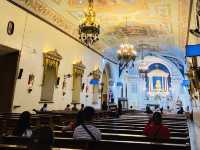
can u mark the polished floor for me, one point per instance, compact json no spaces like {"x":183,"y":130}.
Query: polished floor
{"x":194,"y":132}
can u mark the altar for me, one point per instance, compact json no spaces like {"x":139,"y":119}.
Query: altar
{"x":157,"y":83}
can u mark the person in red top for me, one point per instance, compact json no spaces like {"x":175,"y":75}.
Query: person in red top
{"x":155,"y":129}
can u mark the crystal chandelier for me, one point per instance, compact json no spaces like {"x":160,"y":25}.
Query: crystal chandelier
{"x":126,"y":53}
{"x":89,"y":30}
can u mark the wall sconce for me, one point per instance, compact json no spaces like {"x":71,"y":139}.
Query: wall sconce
{"x":10,"y":28}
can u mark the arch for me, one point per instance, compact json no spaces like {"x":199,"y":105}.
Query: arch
{"x":106,"y":81}
{"x":158,"y":66}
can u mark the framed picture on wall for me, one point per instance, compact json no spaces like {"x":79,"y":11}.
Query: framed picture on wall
{"x":10,"y":28}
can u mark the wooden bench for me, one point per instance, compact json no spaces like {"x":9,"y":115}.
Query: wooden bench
{"x":102,"y":145}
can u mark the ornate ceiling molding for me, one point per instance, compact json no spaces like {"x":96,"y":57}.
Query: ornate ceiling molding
{"x":39,"y":8}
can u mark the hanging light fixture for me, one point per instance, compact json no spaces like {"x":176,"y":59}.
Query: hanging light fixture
{"x":125,"y":54}
{"x":89,"y":30}
{"x":142,"y":66}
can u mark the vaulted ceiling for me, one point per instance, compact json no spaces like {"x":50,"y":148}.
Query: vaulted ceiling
{"x":154,"y":25}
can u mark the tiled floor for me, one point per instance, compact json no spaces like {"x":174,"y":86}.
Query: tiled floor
{"x":194,"y":132}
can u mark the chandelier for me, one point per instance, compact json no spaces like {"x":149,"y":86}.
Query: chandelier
{"x":89,"y":30}
{"x":126,"y":53}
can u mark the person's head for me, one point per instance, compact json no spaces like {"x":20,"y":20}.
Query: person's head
{"x":181,"y":108}
{"x":168,"y":107}
{"x":188,"y":108}
{"x":157,"y":118}
{"x":88,"y":113}
{"x":25,"y":117}
{"x":112,"y":100}
{"x":82,"y":105}
{"x":45,"y":105}
{"x":23,"y":123}
{"x":148,"y":108}
{"x":68,"y":105}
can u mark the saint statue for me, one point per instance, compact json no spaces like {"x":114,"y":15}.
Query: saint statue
{"x":158,"y":85}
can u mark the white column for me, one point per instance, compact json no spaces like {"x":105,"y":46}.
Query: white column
{"x":163,"y":84}
{"x":151,"y":83}
{"x":166,"y":84}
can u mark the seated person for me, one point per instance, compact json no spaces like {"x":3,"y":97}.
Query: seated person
{"x":23,"y":127}
{"x":42,"y":137}
{"x":82,"y":107}
{"x":70,"y":126}
{"x":44,"y":108}
{"x":157,"y":109}
{"x":180,"y":111}
{"x":155,"y":129}
{"x":67,"y":109}
{"x":104,"y":106}
{"x":168,"y":109}
{"x":148,"y":110}
{"x":161,"y":110}
{"x":86,"y":130}
{"x":77,"y":122}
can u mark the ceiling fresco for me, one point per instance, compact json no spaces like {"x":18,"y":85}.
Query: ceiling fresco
{"x":160,"y":25}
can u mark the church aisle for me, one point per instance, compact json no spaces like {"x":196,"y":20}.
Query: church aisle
{"x":194,"y":132}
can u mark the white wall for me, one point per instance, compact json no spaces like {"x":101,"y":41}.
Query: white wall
{"x":33,"y":37}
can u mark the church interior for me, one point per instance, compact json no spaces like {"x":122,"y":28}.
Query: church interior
{"x":120,"y":57}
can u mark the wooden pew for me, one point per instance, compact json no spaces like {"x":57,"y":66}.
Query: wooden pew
{"x":102,"y":145}
{"x":126,"y":129}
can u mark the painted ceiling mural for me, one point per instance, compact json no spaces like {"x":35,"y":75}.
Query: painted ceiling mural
{"x":160,"y":25}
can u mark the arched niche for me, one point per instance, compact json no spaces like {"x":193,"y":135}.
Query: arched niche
{"x":106,"y":82}
{"x":96,"y":75}
{"x":78,"y":71}
{"x":158,"y":80}
{"x":51,"y":62}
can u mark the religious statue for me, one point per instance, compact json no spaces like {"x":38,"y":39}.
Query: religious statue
{"x":158,"y":85}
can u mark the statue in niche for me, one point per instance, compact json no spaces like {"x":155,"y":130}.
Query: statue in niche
{"x":64,"y":86}
{"x":158,"y":85}
{"x":31,"y":79}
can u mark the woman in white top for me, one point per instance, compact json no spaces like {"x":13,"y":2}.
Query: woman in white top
{"x":86,"y":130}
{"x":23,"y":127}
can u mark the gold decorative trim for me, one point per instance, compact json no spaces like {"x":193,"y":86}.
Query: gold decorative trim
{"x":39,"y":8}
{"x":51,"y":59}
{"x":78,"y":69}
